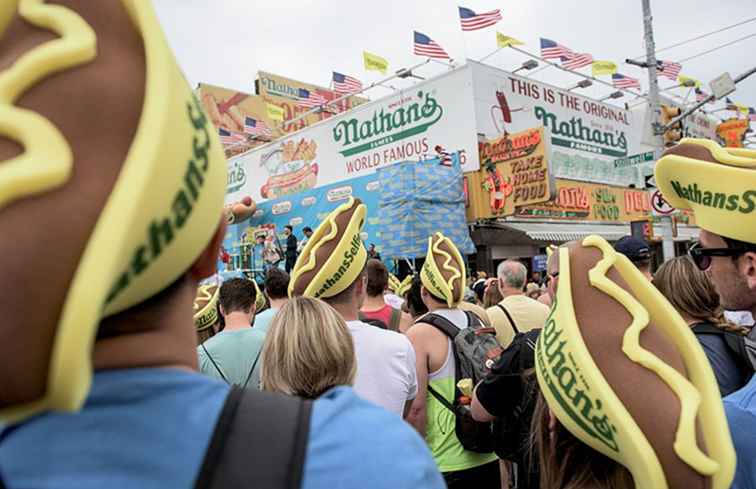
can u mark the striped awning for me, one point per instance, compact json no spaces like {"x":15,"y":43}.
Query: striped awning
{"x":560,"y":232}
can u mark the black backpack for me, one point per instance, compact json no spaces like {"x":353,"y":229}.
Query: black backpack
{"x":475,"y":350}
{"x":742,"y":348}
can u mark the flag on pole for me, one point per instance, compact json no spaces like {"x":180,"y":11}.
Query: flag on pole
{"x":256,"y":128}
{"x":603,"y":68}
{"x":425,"y":46}
{"x":229,"y":138}
{"x":373,"y":62}
{"x":552,"y":50}
{"x":343,"y":84}
{"x":505,"y":41}
{"x":736,"y":107}
{"x":310,"y":99}
{"x":669,"y":69}
{"x":472,"y":21}
{"x":688,"y":81}
{"x":274,"y":112}
{"x":701,"y":95}
{"x":577,"y":60}
{"x":751,"y":114}
{"x":624,"y":81}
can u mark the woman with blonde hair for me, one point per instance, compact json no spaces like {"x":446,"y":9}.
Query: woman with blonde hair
{"x":308,"y":350}
{"x":693,"y":295}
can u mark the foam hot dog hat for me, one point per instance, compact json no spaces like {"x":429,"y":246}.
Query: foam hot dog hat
{"x":623,"y":372}
{"x":334,"y":256}
{"x":106,"y":131}
{"x":718,"y":184}
{"x":443,"y":272}
{"x":206,"y":306}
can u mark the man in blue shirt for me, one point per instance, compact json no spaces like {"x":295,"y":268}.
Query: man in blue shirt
{"x":700,"y":175}
{"x":122,"y":170}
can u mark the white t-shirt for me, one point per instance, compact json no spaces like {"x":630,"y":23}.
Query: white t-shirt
{"x":386,"y":372}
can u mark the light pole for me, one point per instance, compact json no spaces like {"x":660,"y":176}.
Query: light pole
{"x":527,"y":65}
{"x":585,"y":83}
{"x":613,"y":96}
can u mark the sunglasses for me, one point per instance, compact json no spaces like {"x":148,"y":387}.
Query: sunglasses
{"x":702,"y":256}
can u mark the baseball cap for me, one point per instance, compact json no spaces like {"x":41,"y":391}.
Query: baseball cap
{"x":634,"y":248}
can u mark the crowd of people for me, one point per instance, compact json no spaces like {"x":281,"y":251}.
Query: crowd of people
{"x":130,"y":365}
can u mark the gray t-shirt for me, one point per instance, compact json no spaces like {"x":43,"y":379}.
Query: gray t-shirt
{"x":232,"y":354}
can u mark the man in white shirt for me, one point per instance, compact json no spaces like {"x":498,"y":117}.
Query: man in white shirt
{"x":516,"y":312}
{"x":332,"y":268}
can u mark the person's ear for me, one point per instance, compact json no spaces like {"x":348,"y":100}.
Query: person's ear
{"x":222,"y":311}
{"x":207,"y":263}
{"x":748,"y":269}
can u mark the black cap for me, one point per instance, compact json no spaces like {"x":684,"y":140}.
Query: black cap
{"x":306,"y":229}
{"x":634,"y":248}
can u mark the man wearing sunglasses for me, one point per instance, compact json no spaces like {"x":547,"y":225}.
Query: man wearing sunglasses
{"x":719,"y":186}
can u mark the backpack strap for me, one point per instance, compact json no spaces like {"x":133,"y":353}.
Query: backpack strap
{"x":442,"y":324}
{"x":260,"y":440}
{"x":509,"y":317}
{"x":254,"y":364}
{"x":735,"y":343}
{"x":215,"y":364}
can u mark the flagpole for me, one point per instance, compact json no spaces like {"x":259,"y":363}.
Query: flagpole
{"x":489,"y":55}
{"x":399,"y":74}
{"x":592,"y":78}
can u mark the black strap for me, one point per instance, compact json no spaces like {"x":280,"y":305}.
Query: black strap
{"x":260,"y":440}
{"x":441,"y":399}
{"x":442,"y":324}
{"x":254,"y":364}
{"x":396,"y":319}
{"x":511,"y":321}
{"x":734,"y":342}
{"x":215,"y":364}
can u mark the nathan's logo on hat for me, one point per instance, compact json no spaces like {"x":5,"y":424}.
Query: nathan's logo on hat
{"x":555,"y":362}
{"x":443,"y":272}
{"x":334,"y":256}
{"x":718,"y":184}
{"x":744,"y":202}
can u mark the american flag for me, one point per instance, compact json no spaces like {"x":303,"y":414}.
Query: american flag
{"x":472,"y":21}
{"x":229,"y":138}
{"x":343,"y":84}
{"x":577,"y":60}
{"x":256,"y":128}
{"x":751,"y":114}
{"x":624,"y":81}
{"x":669,"y":69}
{"x":425,"y":46}
{"x":310,"y":99}
{"x":552,"y":50}
{"x":701,"y":95}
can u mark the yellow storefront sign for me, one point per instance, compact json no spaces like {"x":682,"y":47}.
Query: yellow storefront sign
{"x":514,"y":172}
{"x":584,"y":201}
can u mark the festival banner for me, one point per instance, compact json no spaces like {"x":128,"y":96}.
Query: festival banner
{"x":587,"y":136}
{"x":433,"y":118}
{"x":591,"y":202}
{"x":515,"y":171}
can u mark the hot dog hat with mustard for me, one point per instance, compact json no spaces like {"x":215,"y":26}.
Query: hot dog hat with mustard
{"x":206,"y":306}
{"x":623,"y":373}
{"x":111,"y":185}
{"x":334,"y":256}
{"x":718,"y":184}
{"x":443,"y":272}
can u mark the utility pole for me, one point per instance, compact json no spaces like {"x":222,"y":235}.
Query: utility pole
{"x":668,"y":245}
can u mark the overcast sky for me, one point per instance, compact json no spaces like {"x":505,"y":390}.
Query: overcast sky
{"x":225,"y":42}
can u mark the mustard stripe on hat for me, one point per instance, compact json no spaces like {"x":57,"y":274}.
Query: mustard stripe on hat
{"x":443,"y":272}
{"x":718,"y":184}
{"x":334,"y":256}
{"x":161,"y":213}
{"x":206,"y":306}
{"x":588,"y":381}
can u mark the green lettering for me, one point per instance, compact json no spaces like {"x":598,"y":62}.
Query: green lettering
{"x":749,"y":202}
{"x":182,"y":208}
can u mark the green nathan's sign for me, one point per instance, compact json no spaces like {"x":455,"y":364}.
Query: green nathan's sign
{"x":576,"y":134}
{"x":387,"y":126}
{"x":634,"y":159}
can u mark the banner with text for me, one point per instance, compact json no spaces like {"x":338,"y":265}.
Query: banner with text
{"x":432,"y":119}
{"x":591,"y":202}
{"x":587,"y":136}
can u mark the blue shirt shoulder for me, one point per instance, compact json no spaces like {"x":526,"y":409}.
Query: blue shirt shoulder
{"x":740,"y":408}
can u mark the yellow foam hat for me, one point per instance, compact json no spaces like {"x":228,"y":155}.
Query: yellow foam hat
{"x":718,"y":184}
{"x":259,"y":297}
{"x":334,"y":256}
{"x":443,"y":272}
{"x":206,"y":306}
{"x":393,"y":283}
{"x":639,"y":404}
{"x":404,"y":286}
{"x":162,"y":211}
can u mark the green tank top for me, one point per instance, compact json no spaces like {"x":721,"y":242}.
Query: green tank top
{"x":440,"y":436}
